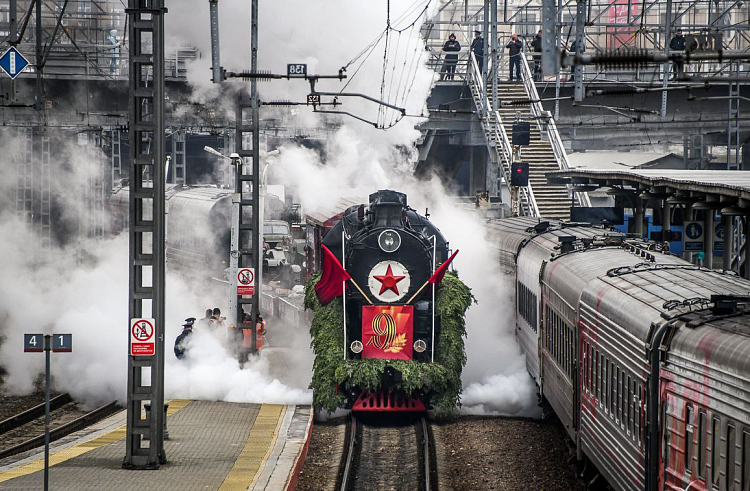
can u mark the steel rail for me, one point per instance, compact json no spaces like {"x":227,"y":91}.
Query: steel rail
{"x":347,"y":472}
{"x":33,"y":413}
{"x":63,"y":430}
{"x":427,"y":455}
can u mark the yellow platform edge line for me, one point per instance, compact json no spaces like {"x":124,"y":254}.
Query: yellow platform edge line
{"x":68,"y":453}
{"x":260,"y":442}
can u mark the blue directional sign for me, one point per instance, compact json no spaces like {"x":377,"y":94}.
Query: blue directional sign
{"x":718,"y":239}
{"x":693,"y":236}
{"x":13,"y":62}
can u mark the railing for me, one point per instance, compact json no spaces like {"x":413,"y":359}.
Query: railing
{"x":549,"y":127}
{"x":436,"y":62}
{"x":498,"y":134}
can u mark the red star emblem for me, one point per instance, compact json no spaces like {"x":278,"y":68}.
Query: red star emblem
{"x":388,"y":281}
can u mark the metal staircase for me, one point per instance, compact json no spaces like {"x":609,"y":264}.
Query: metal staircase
{"x":544,"y":154}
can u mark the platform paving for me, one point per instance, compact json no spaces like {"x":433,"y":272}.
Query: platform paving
{"x":212,"y":445}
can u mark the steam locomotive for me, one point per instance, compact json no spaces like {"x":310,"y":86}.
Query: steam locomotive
{"x":644,"y":357}
{"x":390,"y":251}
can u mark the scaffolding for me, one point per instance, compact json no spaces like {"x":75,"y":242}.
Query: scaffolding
{"x":610,"y":25}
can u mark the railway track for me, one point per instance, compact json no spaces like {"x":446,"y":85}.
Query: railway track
{"x":388,"y":454}
{"x":25,"y":430}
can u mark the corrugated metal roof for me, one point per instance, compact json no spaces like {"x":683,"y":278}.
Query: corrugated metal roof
{"x":734,"y":184}
{"x":334,"y":211}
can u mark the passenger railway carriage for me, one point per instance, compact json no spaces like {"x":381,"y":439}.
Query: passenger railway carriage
{"x":610,"y":324}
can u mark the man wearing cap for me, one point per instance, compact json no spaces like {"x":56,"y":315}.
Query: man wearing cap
{"x":180,"y":344}
{"x":451,"y":47}
{"x":477,"y":47}
{"x":677,"y":44}
{"x":515,"y":46}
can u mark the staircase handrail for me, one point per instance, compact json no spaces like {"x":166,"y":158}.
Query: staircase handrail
{"x":553,"y":136}
{"x":503,"y":146}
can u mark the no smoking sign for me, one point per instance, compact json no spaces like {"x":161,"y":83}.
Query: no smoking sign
{"x":142,"y":341}
{"x":246,"y":281}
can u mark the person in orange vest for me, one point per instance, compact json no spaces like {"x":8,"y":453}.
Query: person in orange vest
{"x":247,"y":335}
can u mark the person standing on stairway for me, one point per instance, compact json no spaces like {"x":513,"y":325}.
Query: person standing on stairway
{"x":451,"y":47}
{"x":477,"y":47}
{"x":515,"y":48}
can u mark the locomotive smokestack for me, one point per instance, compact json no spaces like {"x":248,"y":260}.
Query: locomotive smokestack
{"x":388,"y":208}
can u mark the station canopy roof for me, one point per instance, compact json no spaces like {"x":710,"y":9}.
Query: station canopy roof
{"x":726,"y":186}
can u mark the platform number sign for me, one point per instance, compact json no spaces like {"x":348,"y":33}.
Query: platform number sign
{"x":33,"y":343}
{"x":296,"y":70}
{"x":62,"y":343}
{"x":246,"y":281}
{"x":142,"y":340}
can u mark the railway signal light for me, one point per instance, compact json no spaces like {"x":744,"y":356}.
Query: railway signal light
{"x":519,"y":175}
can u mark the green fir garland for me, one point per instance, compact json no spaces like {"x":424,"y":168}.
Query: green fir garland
{"x":441,"y":380}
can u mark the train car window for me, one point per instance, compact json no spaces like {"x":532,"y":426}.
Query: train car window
{"x":630,"y":407}
{"x":745,"y":461}
{"x":715,"y":451}
{"x":605,"y":384}
{"x":585,"y":368}
{"x":534,"y":315}
{"x":702,"y":441}
{"x":729,"y":463}
{"x":612,"y":390}
{"x":688,"y":438}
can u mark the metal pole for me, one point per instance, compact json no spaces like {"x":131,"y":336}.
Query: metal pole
{"x":580,"y":40}
{"x":665,"y":67}
{"x":343,"y":285}
{"x":256,"y":247}
{"x":13,"y":39}
{"x":47,"y":352}
{"x":215,"y":51}
{"x":746,"y":247}
{"x":434,"y":254}
{"x":486,"y":48}
{"x":494,"y":74}
{"x":235,"y":308}
{"x":38,"y":36}
{"x":557,"y":66}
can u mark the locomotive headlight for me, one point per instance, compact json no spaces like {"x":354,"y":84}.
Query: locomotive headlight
{"x":389,"y":241}
{"x":356,"y":347}
{"x":420,"y":346}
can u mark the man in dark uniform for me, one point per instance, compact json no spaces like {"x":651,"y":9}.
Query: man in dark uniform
{"x":536,"y":45}
{"x":180,"y":344}
{"x":451,"y":47}
{"x":515,"y":46}
{"x":477,"y":47}
{"x":677,"y":44}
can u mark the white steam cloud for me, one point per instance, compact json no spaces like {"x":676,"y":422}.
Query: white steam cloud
{"x":51,"y":291}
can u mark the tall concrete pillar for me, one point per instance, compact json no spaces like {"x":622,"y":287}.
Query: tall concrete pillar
{"x":708,"y":239}
{"x":666,"y":220}
{"x":638,"y":217}
{"x":728,"y":221}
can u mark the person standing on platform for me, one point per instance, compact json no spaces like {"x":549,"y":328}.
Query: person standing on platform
{"x":180,"y":344}
{"x":112,"y":40}
{"x":205,"y":323}
{"x":536,"y":45}
{"x":477,"y":47}
{"x":515,"y":48}
{"x":451,"y":47}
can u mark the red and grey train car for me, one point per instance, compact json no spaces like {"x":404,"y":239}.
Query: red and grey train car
{"x":644,"y":357}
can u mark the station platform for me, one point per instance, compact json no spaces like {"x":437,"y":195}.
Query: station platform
{"x":212,"y":445}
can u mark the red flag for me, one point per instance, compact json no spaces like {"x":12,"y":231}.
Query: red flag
{"x":437,"y":276}
{"x":331,"y":284}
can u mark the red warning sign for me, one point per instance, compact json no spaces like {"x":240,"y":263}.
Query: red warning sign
{"x":246,"y":281}
{"x":142,"y":341}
